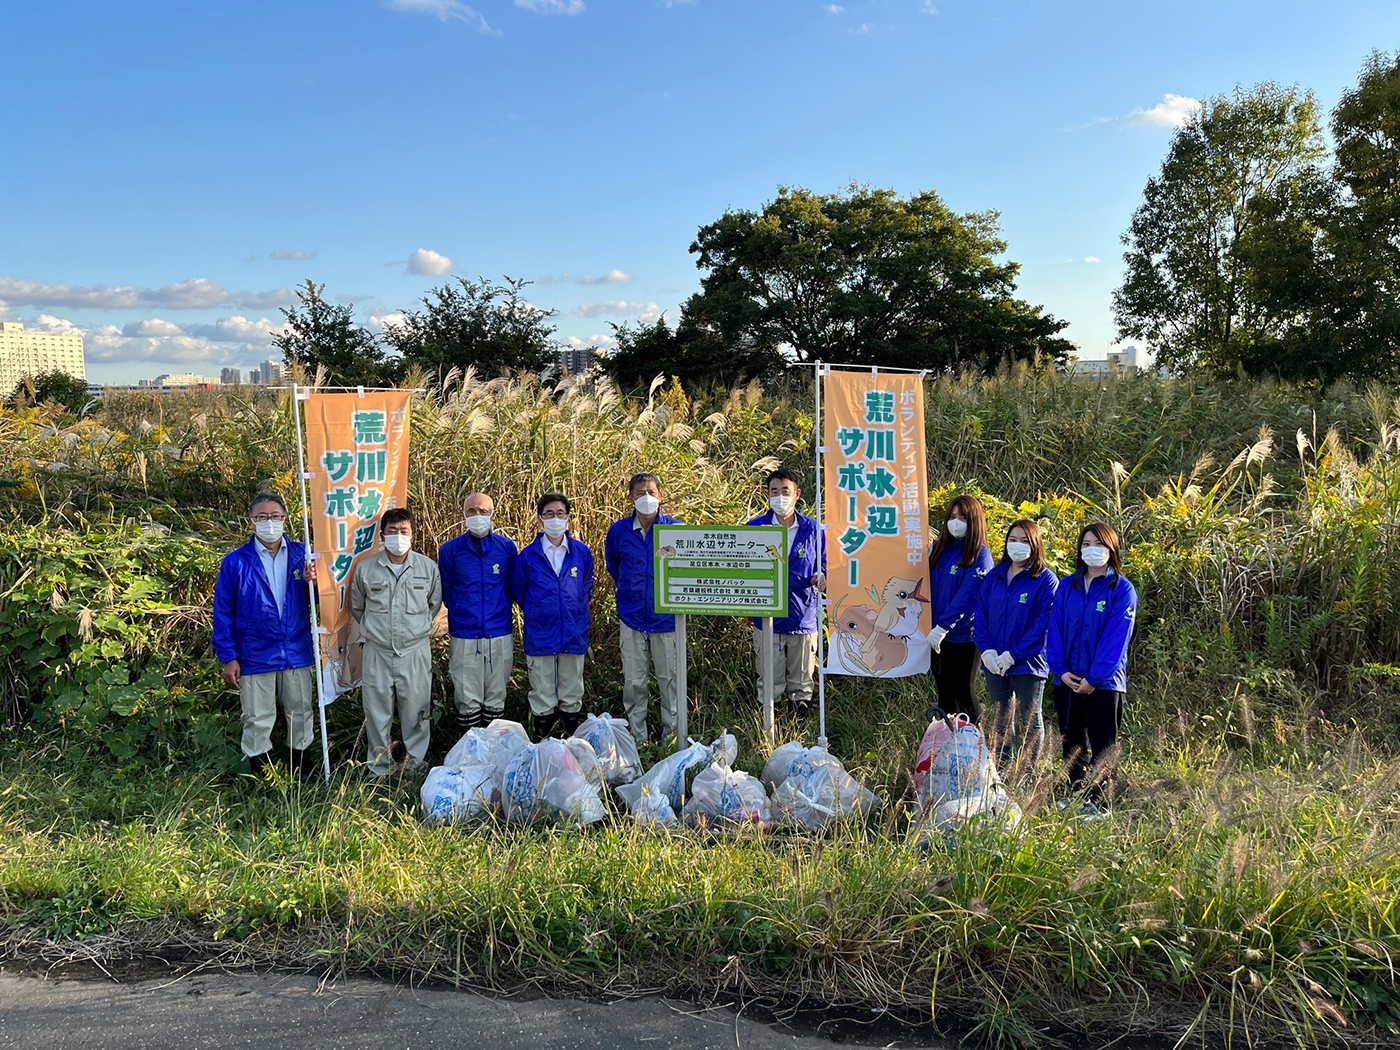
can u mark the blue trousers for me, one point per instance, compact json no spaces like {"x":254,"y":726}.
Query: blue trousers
{"x":1018,"y":716}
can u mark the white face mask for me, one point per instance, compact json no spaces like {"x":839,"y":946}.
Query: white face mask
{"x":1018,"y":552}
{"x":647,"y":504}
{"x":479,"y":524}
{"x":268,"y":531}
{"x":957,"y":528}
{"x":782,"y":505}
{"x":396,"y":543}
{"x":1094,"y":557}
{"x":555,"y":527}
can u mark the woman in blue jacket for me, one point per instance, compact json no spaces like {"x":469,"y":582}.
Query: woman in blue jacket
{"x":1091,"y":623}
{"x":552,"y":582}
{"x":959,"y":561}
{"x":1010,"y":623}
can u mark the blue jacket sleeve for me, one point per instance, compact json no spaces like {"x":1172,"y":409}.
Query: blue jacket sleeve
{"x":225,"y":609}
{"x":612,"y":553}
{"x":981,"y":617}
{"x":588,"y":572}
{"x":1112,"y":652}
{"x":512,"y":559}
{"x":1032,"y":642}
{"x":518,"y":588}
{"x":821,"y":546}
{"x":1055,"y":639}
{"x":969,"y":583}
{"x":446,"y":570}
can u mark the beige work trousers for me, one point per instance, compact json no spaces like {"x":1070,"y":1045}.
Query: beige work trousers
{"x":259,"y":694}
{"x":556,"y":683}
{"x":480,"y":668}
{"x":644,"y":653}
{"x":403,"y":681}
{"x":794,"y":665}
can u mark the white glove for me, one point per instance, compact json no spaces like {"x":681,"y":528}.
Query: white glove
{"x":935,"y":638}
{"x":991,"y":661}
{"x":1005,"y":661}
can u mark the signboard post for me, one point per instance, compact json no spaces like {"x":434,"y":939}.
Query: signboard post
{"x":722,"y":570}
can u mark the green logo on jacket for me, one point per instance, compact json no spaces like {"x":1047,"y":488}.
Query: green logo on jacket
{"x":1024,"y":596}
{"x":1100,"y":606}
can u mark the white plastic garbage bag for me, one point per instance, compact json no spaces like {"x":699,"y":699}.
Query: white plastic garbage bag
{"x":493,"y":745}
{"x":546,"y":780}
{"x":721,"y":795}
{"x":812,"y":788}
{"x":587,"y":761}
{"x":954,"y":762}
{"x":459,"y":795}
{"x":614,"y":746}
{"x":668,"y":777}
{"x":653,"y":808}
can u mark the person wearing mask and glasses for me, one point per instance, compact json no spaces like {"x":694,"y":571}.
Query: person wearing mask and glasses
{"x":957,"y":564}
{"x":648,"y":638}
{"x":1010,"y":622}
{"x":553,"y":585}
{"x":1091,"y":624}
{"x":262,"y":635}
{"x":476,"y":572}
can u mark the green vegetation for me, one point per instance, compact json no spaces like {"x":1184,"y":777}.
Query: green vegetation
{"x":1247,"y":887}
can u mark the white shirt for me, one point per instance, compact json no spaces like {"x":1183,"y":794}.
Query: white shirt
{"x":556,"y":553}
{"x":275,"y":566}
{"x":397,"y":570}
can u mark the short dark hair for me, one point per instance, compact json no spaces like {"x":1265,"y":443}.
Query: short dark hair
{"x":267,"y":497}
{"x":642,"y":479}
{"x":782,"y":474}
{"x":552,"y":497}
{"x":393,"y":517}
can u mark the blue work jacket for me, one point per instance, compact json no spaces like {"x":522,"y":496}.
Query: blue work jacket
{"x":1090,"y":630}
{"x":555,"y":607}
{"x":953,"y":590}
{"x":247,"y":627}
{"x":1015,"y":617}
{"x":630,"y":557}
{"x":476,"y":585}
{"x":806,"y":558}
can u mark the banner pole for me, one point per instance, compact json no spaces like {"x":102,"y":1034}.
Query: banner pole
{"x":766,"y":672}
{"x":821,"y":592}
{"x":319,"y":669}
{"x":682,"y":684}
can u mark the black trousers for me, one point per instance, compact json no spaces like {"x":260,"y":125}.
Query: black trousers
{"x":954,"y":672}
{"x":1090,"y":724}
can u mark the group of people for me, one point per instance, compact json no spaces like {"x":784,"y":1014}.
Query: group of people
{"x":1011,"y":617}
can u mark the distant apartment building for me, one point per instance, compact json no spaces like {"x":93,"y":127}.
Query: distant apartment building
{"x":269,"y":373}
{"x":33,"y":353}
{"x":576,"y":360}
{"x":1118,"y":362}
{"x":231,"y":376}
{"x":185,"y":379}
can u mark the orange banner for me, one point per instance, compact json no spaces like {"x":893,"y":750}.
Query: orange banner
{"x":357,"y":456}
{"x":875,"y":474}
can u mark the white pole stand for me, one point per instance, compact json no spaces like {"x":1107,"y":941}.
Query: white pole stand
{"x":766,"y":670}
{"x":682,"y":684}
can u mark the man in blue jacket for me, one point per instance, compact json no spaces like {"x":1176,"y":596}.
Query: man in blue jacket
{"x":262,"y":634}
{"x":647,"y":637}
{"x":795,"y":636}
{"x":476,"y":570}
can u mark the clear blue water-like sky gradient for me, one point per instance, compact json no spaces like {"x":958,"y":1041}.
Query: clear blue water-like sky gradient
{"x":171,"y":169}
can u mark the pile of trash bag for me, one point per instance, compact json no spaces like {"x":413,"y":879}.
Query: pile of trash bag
{"x":554,"y":779}
{"x":955,"y":779}
{"x":666,"y":782}
{"x":811,"y":787}
{"x":724,"y":796}
{"x":613,"y":745}
{"x":467,"y":786}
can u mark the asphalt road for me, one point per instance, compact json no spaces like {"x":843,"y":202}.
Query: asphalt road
{"x":301,"y":1013}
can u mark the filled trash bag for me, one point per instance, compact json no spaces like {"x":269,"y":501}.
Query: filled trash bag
{"x":954,"y":762}
{"x":669,"y":776}
{"x":811,"y":787}
{"x":493,"y":745}
{"x":653,"y":808}
{"x":725,"y":796}
{"x":587,"y":760}
{"x":546,"y":780}
{"x":455,"y":796}
{"x":613,"y":744}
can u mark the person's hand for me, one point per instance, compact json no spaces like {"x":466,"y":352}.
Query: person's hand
{"x":992,"y":662}
{"x":232,"y":673}
{"x":935,"y":638}
{"x":1084,"y":687}
{"x":1071,"y":679}
{"x":1006,"y":661}
{"x":819,"y":582}
{"x":310,"y":569}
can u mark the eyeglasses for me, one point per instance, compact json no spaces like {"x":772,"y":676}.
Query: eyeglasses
{"x":269,"y":517}
{"x":555,"y":514}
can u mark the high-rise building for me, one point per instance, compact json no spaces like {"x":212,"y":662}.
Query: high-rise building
{"x":576,"y":360}
{"x":269,"y":373}
{"x":33,"y":353}
{"x":185,"y":379}
{"x":231,"y":376}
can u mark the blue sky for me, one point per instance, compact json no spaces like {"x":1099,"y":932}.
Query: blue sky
{"x":171,"y":169}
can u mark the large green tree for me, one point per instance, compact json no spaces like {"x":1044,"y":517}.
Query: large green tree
{"x":476,"y":324}
{"x":866,"y":277}
{"x":697,"y":350}
{"x":322,"y":334}
{"x":59,"y":387}
{"x":1225,"y":260}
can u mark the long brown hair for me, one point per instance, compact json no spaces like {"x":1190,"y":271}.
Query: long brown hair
{"x":1036,"y":564}
{"x":1108,"y":537}
{"x":975,"y":538}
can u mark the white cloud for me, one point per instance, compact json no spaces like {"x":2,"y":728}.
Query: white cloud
{"x":443,"y":10}
{"x":928,"y":7}
{"x":152,"y":326}
{"x":238,"y":329}
{"x":382,"y":318}
{"x":620,"y":308}
{"x":197,"y":293}
{"x":833,"y":9}
{"x":864,"y":27}
{"x":611,"y":277}
{"x":602,"y":342}
{"x":552,"y":7}
{"x":50,"y":323}
{"x":429,"y":263}
{"x":1172,"y":112}
{"x":4,"y":309}
{"x":290,"y":255}
{"x":1092,"y":259}
{"x":265,"y":300}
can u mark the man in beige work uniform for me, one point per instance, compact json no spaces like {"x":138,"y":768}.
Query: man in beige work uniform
{"x":395,"y":595}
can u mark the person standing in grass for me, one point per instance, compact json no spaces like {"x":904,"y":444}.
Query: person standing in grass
{"x":553,"y":584}
{"x":1091,"y":623}
{"x":262,"y":634}
{"x":648,"y":638}
{"x":476,"y":571}
{"x":1011,"y":618}
{"x":395,"y":595}
{"x":957,"y":565}
{"x":795,"y":635}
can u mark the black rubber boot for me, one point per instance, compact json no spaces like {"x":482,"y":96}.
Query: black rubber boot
{"x":487,"y":717}
{"x":545,"y":725}
{"x":256,"y":764}
{"x":466,"y":723}
{"x":570,"y":721}
{"x":305,"y":763}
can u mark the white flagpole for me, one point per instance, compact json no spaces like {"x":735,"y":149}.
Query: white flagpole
{"x":821,"y":596}
{"x":312,"y":557}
